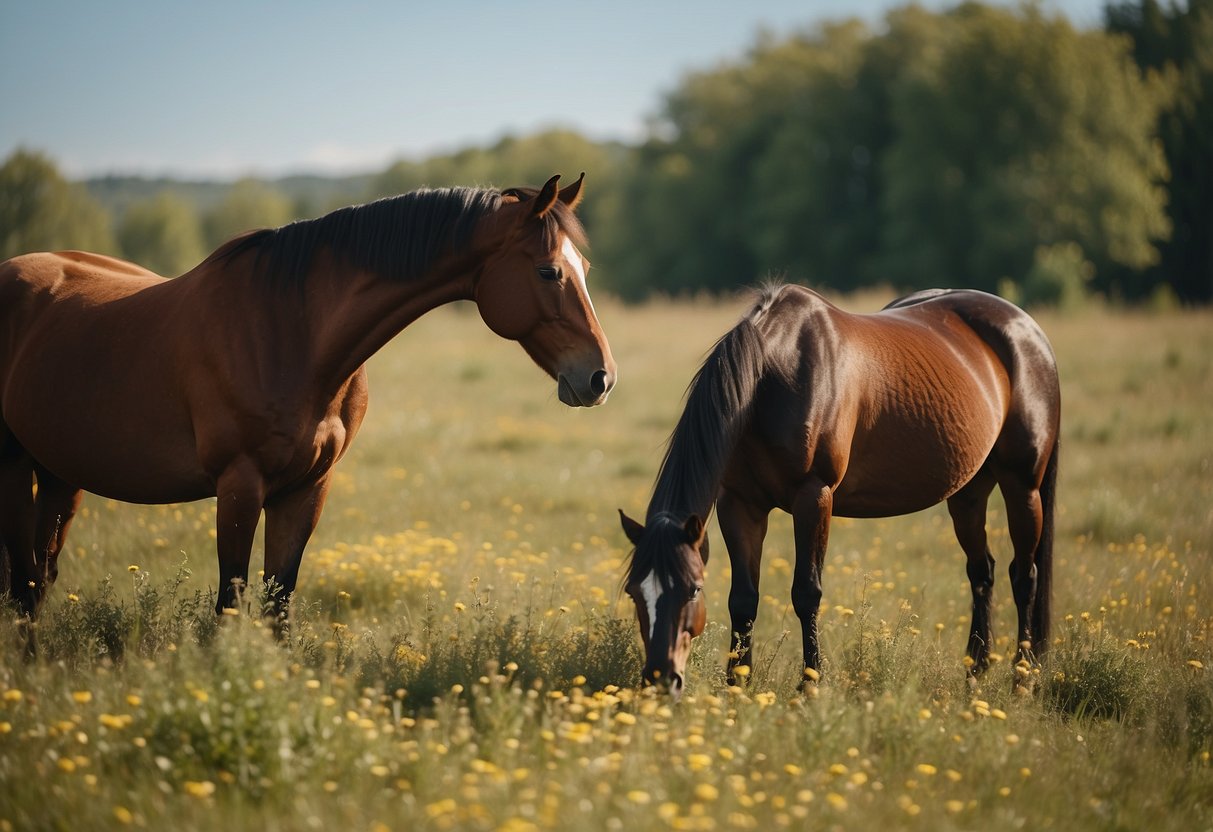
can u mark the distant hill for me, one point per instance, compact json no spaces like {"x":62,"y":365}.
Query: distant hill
{"x":312,"y":194}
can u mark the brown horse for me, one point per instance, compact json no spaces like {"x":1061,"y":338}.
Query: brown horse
{"x":243,"y":379}
{"x":810,"y":409}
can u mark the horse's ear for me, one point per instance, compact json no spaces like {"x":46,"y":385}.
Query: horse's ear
{"x":571,"y":195}
{"x":547,"y":197}
{"x":694,"y":529}
{"x":631,"y":528}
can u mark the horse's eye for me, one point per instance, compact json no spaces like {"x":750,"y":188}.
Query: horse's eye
{"x":695,"y":592}
{"x":549,"y":272}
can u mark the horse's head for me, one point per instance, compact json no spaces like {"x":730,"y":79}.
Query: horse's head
{"x":532,"y":289}
{"x":665,"y":579}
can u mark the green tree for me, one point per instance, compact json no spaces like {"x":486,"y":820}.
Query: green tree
{"x":248,"y":204}
{"x":163,"y":234}
{"x":1179,"y":42}
{"x":1014,"y":131}
{"x":42,"y":211}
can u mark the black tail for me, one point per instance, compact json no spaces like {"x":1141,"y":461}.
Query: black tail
{"x":1042,"y":609}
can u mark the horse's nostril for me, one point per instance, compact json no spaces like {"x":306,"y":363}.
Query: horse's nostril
{"x":598,"y":382}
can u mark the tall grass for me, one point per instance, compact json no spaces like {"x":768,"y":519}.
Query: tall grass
{"x":461,"y":657}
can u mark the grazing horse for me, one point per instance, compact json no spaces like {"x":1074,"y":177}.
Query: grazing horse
{"x":804,"y":407}
{"x":243,"y":379}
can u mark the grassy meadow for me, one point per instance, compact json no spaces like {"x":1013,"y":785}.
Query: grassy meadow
{"x":463,"y":658}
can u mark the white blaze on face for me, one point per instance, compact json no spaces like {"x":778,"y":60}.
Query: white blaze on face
{"x":650,"y":590}
{"x":571,"y":254}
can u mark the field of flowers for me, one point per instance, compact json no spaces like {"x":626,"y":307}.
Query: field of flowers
{"x":463,"y":659}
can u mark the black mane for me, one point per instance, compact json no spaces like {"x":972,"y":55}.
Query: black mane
{"x":717,"y":408}
{"x":398,"y":238}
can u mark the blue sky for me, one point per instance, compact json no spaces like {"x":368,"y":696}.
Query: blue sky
{"x":222,"y":88}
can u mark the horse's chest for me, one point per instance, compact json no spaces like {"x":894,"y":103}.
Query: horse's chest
{"x":306,"y":450}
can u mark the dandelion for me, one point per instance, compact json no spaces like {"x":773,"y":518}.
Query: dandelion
{"x":12,"y":695}
{"x":231,"y":611}
{"x":134,"y":567}
{"x":200,"y":789}
{"x":706,"y":792}
{"x":954,"y":806}
{"x":639,"y":797}
{"x":134,"y":700}
{"x":926,"y":769}
{"x":82,"y":697}
{"x":1195,"y":664}
{"x":837,"y":801}
{"x":625,"y":718}
{"x":123,"y":815}
{"x":441,"y":807}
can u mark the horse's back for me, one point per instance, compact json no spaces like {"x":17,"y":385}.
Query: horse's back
{"x":899,"y":408}
{"x":1014,"y":336}
{"x":1033,"y":410}
{"x":89,"y":372}
{"x":33,"y":288}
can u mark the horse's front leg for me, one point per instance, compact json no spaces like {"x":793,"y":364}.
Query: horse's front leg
{"x":290,"y":519}
{"x":811,"y":511}
{"x":743,"y":528}
{"x":240,"y":493}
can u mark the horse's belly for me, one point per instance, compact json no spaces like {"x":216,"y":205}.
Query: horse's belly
{"x":889,"y":475}
{"x":112,"y":433}
{"x":154,"y":469}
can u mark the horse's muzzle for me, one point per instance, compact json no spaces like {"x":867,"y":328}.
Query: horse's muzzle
{"x":587,"y":392}
{"x":671,"y":683}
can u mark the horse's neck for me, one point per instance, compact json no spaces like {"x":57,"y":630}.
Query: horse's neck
{"x":353,"y":315}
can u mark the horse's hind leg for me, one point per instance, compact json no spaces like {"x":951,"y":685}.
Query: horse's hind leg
{"x":55,"y":508}
{"x":968,"y":509}
{"x":17,"y":526}
{"x":1025,"y":521}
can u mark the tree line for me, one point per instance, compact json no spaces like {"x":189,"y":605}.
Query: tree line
{"x":996,"y":148}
